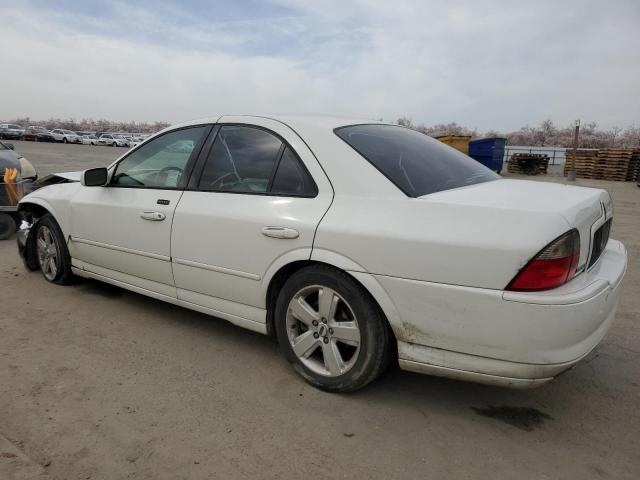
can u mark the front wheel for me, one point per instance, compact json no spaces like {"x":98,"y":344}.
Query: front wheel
{"x":64,"y":140}
{"x":51,"y":250}
{"x":331,"y":330}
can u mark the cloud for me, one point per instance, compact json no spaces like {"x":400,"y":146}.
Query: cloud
{"x":490,"y":65}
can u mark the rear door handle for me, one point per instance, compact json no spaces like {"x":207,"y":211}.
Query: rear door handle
{"x":153,"y":216}
{"x":280,"y":232}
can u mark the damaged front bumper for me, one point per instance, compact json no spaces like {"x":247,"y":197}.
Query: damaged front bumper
{"x":22,"y":238}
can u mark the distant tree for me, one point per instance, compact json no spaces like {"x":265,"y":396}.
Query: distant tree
{"x":405,"y":122}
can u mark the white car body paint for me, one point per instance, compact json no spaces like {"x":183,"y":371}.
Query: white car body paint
{"x":436,"y":265}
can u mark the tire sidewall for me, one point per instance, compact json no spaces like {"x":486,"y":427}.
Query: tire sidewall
{"x":63,"y":260}
{"x":373,"y":339}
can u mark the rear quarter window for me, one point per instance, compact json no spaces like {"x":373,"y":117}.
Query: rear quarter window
{"x":416,"y":163}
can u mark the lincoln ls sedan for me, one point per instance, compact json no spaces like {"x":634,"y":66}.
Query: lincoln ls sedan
{"x":354,"y":243}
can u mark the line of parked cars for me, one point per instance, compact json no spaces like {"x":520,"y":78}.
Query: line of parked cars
{"x":36,"y":133}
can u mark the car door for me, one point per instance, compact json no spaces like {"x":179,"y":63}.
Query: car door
{"x":123,"y":230}
{"x":255,"y":200}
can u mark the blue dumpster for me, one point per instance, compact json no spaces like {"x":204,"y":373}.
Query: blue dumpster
{"x":489,"y":152}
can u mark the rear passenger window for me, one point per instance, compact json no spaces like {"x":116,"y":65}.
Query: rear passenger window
{"x":291,"y":178}
{"x":242,"y":160}
{"x":247,"y":159}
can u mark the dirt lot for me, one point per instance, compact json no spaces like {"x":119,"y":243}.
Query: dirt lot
{"x":97,"y":382}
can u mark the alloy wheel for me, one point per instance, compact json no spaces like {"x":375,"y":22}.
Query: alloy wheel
{"x":323,"y":330}
{"x":47,"y":253}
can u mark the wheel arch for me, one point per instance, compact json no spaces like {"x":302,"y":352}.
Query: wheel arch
{"x":31,"y":212}
{"x":367,"y":281}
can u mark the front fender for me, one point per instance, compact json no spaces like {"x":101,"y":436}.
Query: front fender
{"x":54,"y":199}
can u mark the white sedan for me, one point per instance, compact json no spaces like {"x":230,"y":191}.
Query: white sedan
{"x":355,"y":243}
{"x":113,"y":140}
{"x":89,"y":140}
{"x":65,"y":136}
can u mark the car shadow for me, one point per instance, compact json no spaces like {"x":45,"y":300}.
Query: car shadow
{"x":526,"y":410}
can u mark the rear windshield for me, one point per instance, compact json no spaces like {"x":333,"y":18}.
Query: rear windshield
{"x":416,"y":163}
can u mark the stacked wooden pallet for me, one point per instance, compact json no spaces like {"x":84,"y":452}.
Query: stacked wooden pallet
{"x":634,"y":167}
{"x":585,"y":162}
{"x":617,"y":164}
{"x":528,"y":163}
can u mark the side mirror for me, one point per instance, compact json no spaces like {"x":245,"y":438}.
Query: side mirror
{"x":94,"y":177}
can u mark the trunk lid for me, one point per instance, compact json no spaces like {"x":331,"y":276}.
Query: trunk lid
{"x":583,"y":208}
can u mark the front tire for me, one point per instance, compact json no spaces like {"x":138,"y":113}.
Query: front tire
{"x":51,"y":251}
{"x":331,"y":330}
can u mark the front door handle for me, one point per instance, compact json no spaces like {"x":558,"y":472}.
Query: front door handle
{"x":280,"y":232}
{"x":153,"y":216}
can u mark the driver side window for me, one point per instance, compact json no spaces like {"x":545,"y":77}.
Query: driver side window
{"x":161,"y":162}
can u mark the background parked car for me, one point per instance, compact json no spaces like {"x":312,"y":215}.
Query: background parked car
{"x":16,"y":179}
{"x":37,"y":134}
{"x":113,"y":140}
{"x":10,"y":131}
{"x":134,"y":142}
{"x":65,"y":136}
{"x":89,"y":140}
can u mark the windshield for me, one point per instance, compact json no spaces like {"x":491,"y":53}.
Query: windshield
{"x":416,"y":163}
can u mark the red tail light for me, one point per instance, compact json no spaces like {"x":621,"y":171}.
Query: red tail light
{"x":555,"y":265}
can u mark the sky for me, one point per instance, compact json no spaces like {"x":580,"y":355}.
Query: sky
{"x":490,"y":65}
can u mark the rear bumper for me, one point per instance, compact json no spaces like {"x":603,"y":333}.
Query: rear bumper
{"x":505,"y":338}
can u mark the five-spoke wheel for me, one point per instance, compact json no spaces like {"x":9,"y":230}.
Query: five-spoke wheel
{"x":47,"y":245}
{"x":48,"y":253}
{"x":331,"y":330}
{"x":323,"y":330}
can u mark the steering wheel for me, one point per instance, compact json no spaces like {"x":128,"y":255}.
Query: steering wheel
{"x":220,"y":180}
{"x":172,"y":168}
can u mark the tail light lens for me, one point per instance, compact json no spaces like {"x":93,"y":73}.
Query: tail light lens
{"x":555,"y":265}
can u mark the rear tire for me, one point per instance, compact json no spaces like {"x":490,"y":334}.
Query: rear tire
{"x":331,"y":330}
{"x":51,"y":251}
{"x":64,"y":139}
{"x":7,"y":226}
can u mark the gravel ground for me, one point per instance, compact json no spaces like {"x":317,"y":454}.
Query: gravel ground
{"x":97,"y":382}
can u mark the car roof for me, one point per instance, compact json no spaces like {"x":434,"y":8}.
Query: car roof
{"x":326,"y":122}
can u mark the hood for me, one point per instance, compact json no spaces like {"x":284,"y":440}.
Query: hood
{"x":55,"y":178}
{"x":72,"y":176}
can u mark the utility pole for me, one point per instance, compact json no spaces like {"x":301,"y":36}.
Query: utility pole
{"x":571,"y":173}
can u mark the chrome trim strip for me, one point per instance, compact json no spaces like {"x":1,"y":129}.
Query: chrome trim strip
{"x":121,"y":249}
{"x":214,"y":268}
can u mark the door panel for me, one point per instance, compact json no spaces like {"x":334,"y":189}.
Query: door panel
{"x":126,"y":227}
{"x":226,"y":254}
{"x":107,"y":230}
{"x":219,"y":248}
